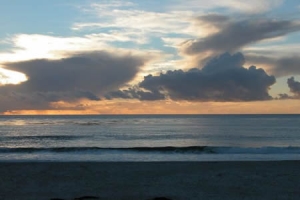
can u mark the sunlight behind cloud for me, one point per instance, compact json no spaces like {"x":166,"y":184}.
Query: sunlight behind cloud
{"x":37,"y":46}
{"x":115,"y":56}
{"x":11,"y":77}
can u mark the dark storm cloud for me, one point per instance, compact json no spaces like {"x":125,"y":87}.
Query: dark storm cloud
{"x":294,"y":86}
{"x":222,"y":79}
{"x":95,"y":72}
{"x":11,"y":100}
{"x":234,"y":34}
{"x":294,"y":89}
{"x":136,"y":93}
{"x":82,"y":75}
{"x":282,"y":66}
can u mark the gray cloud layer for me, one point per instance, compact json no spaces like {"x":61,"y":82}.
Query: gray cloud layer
{"x":235,"y":34}
{"x":83,"y":75}
{"x":136,"y":93}
{"x":284,"y":66}
{"x":222,"y":79}
{"x":294,"y":86}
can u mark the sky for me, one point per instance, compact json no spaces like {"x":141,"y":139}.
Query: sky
{"x":149,"y":57}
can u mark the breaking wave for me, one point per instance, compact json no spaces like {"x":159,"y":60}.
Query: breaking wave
{"x":166,"y":149}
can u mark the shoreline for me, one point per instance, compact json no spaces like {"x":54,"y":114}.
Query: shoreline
{"x":147,"y":180}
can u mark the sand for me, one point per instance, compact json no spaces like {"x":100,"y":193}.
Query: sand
{"x":143,"y":180}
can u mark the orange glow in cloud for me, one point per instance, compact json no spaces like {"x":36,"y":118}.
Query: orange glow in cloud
{"x":168,"y":107}
{"x":48,"y":112}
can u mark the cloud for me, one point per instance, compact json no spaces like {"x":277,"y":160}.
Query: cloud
{"x":275,"y":50}
{"x":233,"y":34}
{"x":134,"y":19}
{"x":222,"y":79}
{"x":3,"y":78}
{"x":282,"y":65}
{"x":283,"y":96}
{"x":213,"y":19}
{"x":136,"y":23}
{"x":294,"y":89}
{"x":294,"y":86}
{"x":136,"y":93}
{"x":11,"y":77}
{"x":248,"y":7}
{"x":38,"y":46}
{"x":82,"y":75}
{"x":80,"y":71}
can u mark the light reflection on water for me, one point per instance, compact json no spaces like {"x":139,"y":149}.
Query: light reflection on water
{"x":18,"y":122}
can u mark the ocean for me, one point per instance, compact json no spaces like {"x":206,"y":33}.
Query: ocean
{"x":150,"y":138}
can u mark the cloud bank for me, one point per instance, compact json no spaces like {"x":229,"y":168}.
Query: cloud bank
{"x":248,"y":7}
{"x":294,"y":89}
{"x":279,"y":66}
{"x":55,"y":75}
{"x":85,"y":75}
{"x":234,"y":34}
{"x":294,"y":86}
{"x":222,"y":79}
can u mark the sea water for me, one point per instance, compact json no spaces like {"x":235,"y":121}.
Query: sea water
{"x":150,"y":138}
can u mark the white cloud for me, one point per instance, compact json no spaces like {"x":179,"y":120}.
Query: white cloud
{"x":173,"y":41}
{"x":249,"y":7}
{"x":145,"y":21}
{"x":37,"y":46}
{"x":145,"y":24}
{"x":274,"y":50}
{"x":121,"y":21}
{"x":138,"y":26}
{"x":11,"y":77}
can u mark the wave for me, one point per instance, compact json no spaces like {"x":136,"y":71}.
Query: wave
{"x":191,"y":149}
{"x":166,"y":149}
{"x":88,"y":123}
{"x":42,"y":137}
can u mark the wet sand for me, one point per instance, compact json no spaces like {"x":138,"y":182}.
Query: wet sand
{"x":147,"y":180}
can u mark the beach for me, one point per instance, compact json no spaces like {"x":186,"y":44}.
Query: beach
{"x":149,"y":180}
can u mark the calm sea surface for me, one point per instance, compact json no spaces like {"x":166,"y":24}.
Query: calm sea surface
{"x":150,"y":137}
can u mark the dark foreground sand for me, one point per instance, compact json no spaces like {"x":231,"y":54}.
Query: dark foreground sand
{"x":142,"y":180}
